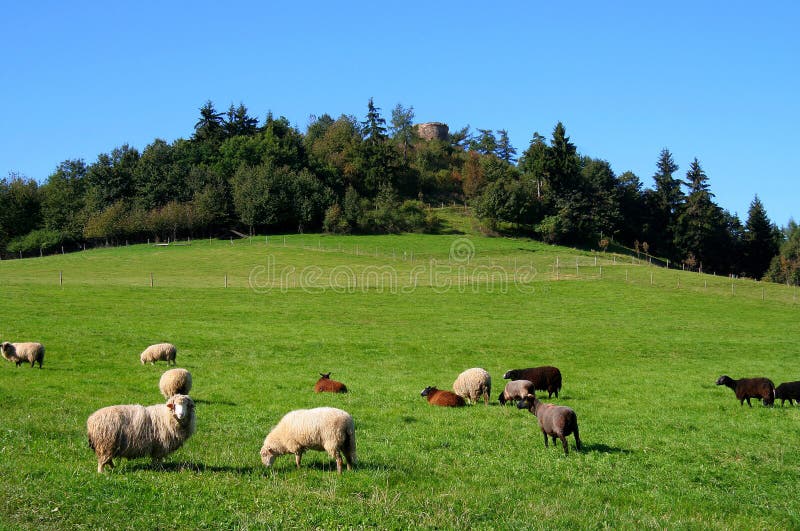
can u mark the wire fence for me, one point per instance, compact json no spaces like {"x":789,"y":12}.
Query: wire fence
{"x":285,"y":266}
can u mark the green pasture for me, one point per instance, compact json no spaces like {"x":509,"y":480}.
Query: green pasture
{"x":639,"y":347}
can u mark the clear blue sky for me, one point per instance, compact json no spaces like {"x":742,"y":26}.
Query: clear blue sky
{"x":719,"y":81}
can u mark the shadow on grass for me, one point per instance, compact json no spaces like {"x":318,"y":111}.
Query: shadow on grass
{"x":194,"y":467}
{"x":604,"y":449}
{"x":327,"y":466}
{"x":286,"y":468}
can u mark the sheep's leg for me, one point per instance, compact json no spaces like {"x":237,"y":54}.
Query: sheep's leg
{"x":297,"y":457}
{"x":338,"y":457}
{"x":577,"y":438}
{"x":564,"y":443}
{"x":349,"y":458}
{"x":748,"y":402}
{"x":546,"y":444}
{"x":102,"y":462}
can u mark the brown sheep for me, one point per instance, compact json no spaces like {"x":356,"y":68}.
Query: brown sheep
{"x":326,"y":385}
{"x":555,"y":421}
{"x":747,"y":388}
{"x":438,"y":397}
{"x":516,"y":390}
{"x":788,"y":391}
{"x":544,"y":378}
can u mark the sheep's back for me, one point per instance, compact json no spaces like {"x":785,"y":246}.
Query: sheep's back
{"x":122,"y":430}
{"x":312,"y":428}
{"x":557,"y":420}
{"x":544,"y":378}
{"x":518,"y":389}
{"x":29,"y":351}
{"x":175,"y":381}
{"x":445,"y":398}
{"x":473,"y":383}
{"x":755,"y":388}
{"x":788,"y":390}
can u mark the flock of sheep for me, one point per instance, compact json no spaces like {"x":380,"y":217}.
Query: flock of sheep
{"x":763,"y":388}
{"x":134,"y":431}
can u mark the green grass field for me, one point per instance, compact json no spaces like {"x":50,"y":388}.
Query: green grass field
{"x":388,"y":315}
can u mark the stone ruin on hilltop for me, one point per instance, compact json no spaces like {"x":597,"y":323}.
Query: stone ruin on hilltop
{"x":433,"y":131}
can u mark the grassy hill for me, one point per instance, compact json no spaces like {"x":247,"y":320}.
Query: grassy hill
{"x":639,"y":347}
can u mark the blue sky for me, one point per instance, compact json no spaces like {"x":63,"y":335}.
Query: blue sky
{"x":714,"y":80}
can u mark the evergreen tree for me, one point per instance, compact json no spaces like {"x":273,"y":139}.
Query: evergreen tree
{"x":505,"y":151}
{"x":760,"y":241}
{"x":485,"y":143}
{"x":667,"y":199}
{"x":563,"y":171}
{"x":210,"y":126}
{"x":700,"y":228}
{"x":238,"y":122}
{"x":378,"y":161}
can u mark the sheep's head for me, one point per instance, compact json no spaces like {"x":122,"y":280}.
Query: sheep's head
{"x":427,"y":391}
{"x":7,"y":349}
{"x":268,"y":456}
{"x":325,"y":376}
{"x":271,"y":450}
{"x":530,"y":402}
{"x":509,"y":374}
{"x":182,"y":408}
{"x":723,"y":380}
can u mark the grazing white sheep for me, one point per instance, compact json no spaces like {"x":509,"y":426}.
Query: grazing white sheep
{"x":20,"y":353}
{"x":159,"y":352}
{"x":175,"y":382}
{"x":323,"y":428}
{"x":472,"y":384}
{"x":133,"y":431}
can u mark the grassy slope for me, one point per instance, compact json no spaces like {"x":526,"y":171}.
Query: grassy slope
{"x":664,"y":446}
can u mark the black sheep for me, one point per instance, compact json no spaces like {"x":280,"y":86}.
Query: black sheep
{"x":544,"y":378}
{"x":788,"y":391}
{"x":747,"y":388}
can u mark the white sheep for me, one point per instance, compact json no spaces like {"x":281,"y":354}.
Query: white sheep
{"x":20,"y":353}
{"x":175,"y":382}
{"x":323,"y":428}
{"x":472,"y":384}
{"x":159,"y":352}
{"x":133,"y":431}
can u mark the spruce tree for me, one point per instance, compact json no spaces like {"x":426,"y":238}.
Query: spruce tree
{"x":760,"y":240}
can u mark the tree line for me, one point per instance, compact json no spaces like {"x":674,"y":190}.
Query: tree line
{"x":350,"y":175}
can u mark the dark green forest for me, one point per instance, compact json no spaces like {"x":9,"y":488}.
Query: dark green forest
{"x":351,"y":175}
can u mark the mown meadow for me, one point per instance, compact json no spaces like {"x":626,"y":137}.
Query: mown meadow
{"x":639,"y":347}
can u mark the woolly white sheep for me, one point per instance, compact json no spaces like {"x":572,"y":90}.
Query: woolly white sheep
{"x":175,"y":382}
{"x":473,"y":384}
{"x":159,"y":352}
{"x":133,"y":431}
{"x":323,"y":428}
{"x":20,"y":353}
{"x":516,"y":390}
